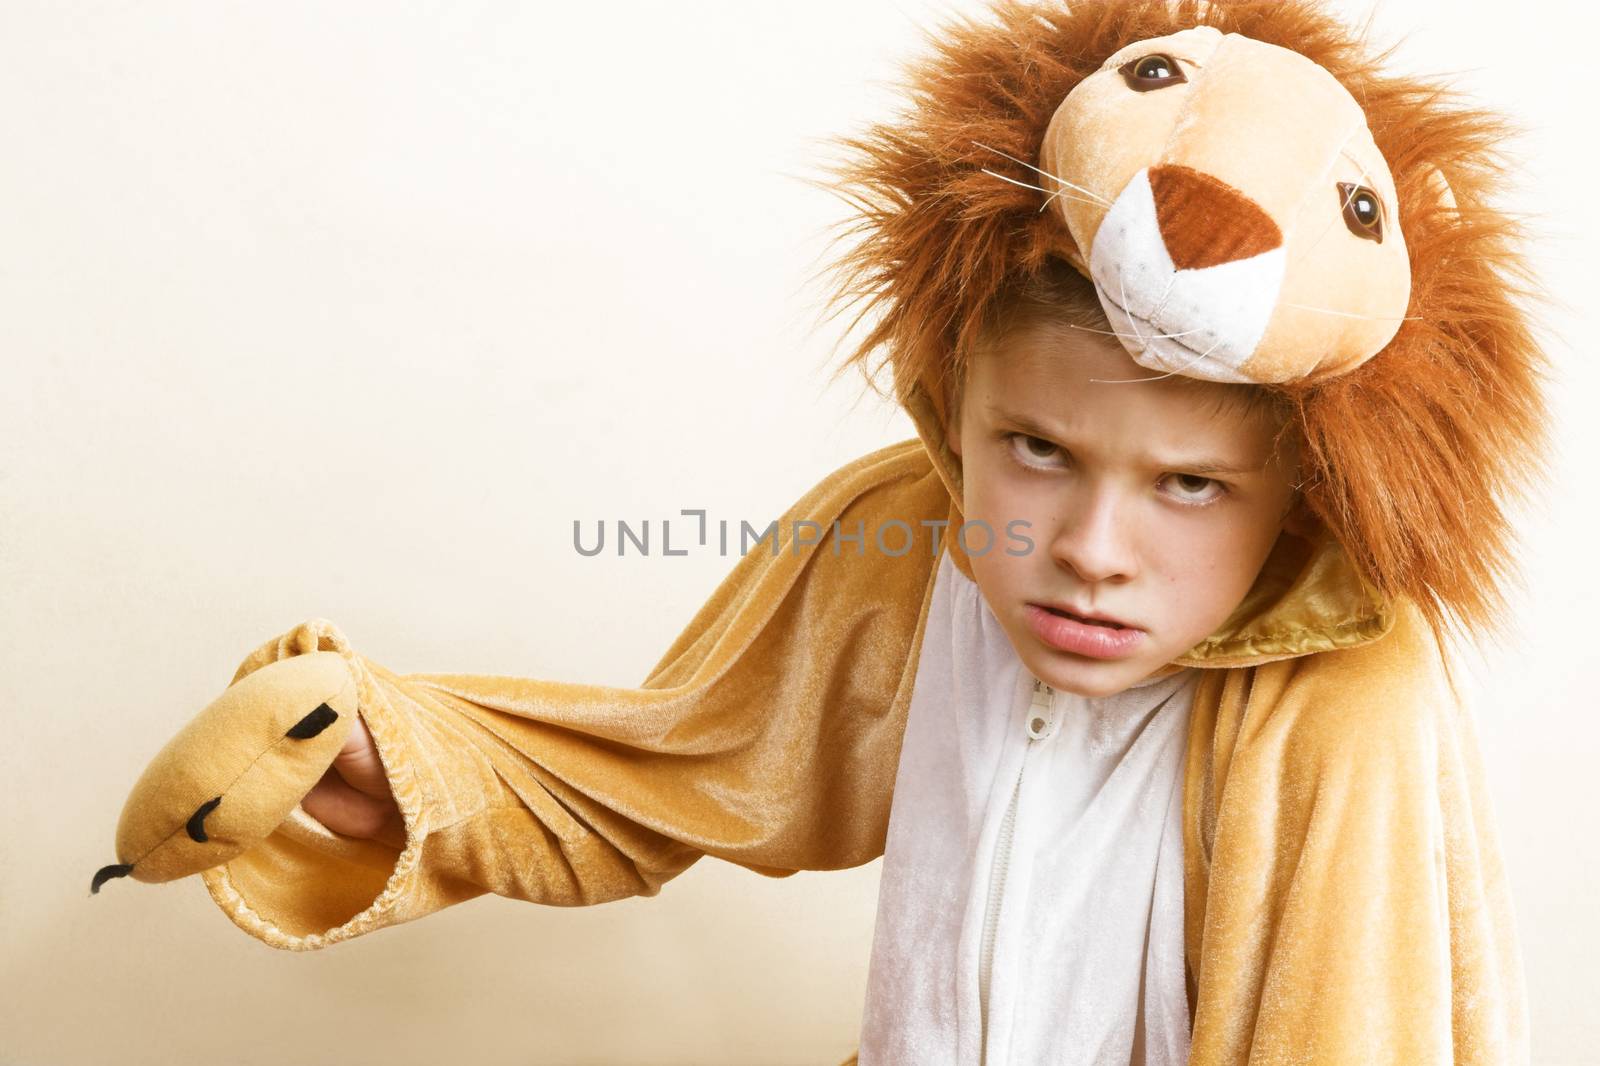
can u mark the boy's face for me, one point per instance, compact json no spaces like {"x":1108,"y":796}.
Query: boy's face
{"x":1125,"y":521}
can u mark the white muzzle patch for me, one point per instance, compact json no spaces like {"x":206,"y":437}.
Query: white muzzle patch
{"x":1201,"y":323}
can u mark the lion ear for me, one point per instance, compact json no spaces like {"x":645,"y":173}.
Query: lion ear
{"x":1440,"y":187}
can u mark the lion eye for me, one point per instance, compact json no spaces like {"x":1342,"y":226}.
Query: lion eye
{"x":1151,"y":72}
{"x":1363,"y":211}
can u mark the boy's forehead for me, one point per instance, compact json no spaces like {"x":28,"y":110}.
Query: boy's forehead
{"x":1074,"y":365}
{"x":1050,"y":379}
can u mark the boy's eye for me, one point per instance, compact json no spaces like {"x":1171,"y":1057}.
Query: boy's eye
{"x":1198,"y":484}
{"x":1038,"y":447}
{"x":1036,"y":453}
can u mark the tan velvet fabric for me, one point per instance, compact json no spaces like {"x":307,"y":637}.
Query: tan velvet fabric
{"x":768,"y":735}
{"x":1346,"y":901}
{"x":1345,"y":898}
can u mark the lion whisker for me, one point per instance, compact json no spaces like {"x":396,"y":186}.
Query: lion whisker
{"x":1035,"y":188}
{"x":1114,"y":333}
{"x":1122,"y":286}
{"x":1158,"y":377}
{"x":1087,"y":192}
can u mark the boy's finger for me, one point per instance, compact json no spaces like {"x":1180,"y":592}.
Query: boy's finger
{"x":346,"y":810}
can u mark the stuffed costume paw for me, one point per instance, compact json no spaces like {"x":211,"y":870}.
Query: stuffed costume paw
{"x":236,"y":771}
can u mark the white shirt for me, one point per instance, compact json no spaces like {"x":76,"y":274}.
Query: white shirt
{"x":1030,"y":908}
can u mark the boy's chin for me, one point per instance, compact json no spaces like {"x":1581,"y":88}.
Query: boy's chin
{"x":1085,"y":676}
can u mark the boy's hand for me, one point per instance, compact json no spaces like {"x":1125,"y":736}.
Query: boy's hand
{"x":353,"y":798}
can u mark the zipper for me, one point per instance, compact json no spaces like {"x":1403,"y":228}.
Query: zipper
{"x":1037,"y":725}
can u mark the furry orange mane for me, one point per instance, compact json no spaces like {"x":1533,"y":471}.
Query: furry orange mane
{"x":1411,"y":457}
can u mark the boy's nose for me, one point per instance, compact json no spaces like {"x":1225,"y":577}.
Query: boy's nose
{"x":1206,"y":222}
{"x":1093,"y":546}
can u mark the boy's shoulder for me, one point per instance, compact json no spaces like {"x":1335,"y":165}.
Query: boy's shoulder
{"x":1353,"y":707}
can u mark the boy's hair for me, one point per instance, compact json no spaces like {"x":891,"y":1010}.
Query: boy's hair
{"x":1408,"y":459}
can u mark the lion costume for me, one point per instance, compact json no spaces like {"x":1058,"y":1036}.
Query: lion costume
{"x":1256,"y":201}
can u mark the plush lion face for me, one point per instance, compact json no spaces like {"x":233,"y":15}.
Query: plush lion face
{"x":1240,"y":223}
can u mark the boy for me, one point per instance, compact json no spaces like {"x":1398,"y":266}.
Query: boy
{"x":1263,"y":772}
{"x":1031,"y":906}
{"x":1126,"y":528}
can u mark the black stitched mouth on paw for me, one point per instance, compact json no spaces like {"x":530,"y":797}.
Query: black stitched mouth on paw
{"x":313,"y":723}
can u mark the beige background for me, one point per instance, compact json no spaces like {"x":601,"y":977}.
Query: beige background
{"x":350,"y":309}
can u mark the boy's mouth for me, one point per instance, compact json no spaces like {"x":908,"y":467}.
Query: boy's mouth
{"x":1064,"y":613}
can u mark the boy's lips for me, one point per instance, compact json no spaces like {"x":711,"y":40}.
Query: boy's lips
{"x":1061,"y":631}
{"x":1083,"y":615}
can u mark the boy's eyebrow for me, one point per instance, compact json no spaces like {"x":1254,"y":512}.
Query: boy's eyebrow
{"x":1199,"y":464}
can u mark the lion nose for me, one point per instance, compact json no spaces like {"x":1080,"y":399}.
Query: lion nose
{"x":1205,"y":222}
